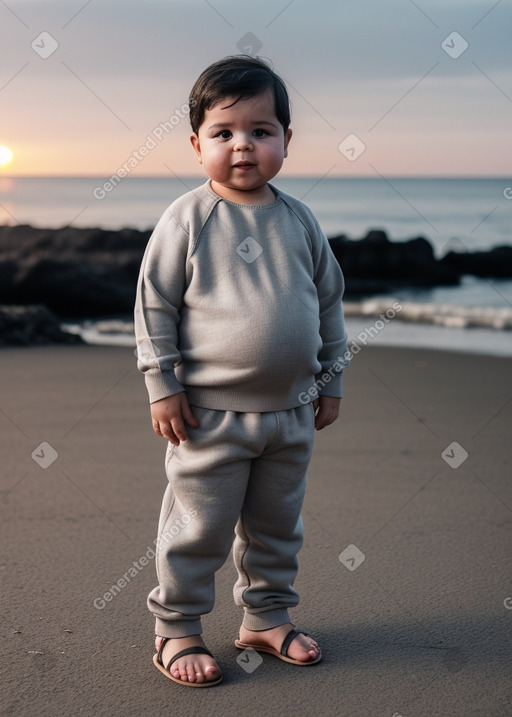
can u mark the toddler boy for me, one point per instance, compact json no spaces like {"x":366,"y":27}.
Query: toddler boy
{"x":241,"y":339}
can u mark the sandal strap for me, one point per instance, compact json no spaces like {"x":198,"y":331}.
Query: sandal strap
{"x":288,"y":639}
{"x":164,"y":642}
{"x":195,"y":650}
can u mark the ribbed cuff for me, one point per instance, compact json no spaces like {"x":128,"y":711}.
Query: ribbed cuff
{"x":161,"y":384}
{"x":329,"y":385}
{"x":178,"y":628}
{"x":265,"y":620}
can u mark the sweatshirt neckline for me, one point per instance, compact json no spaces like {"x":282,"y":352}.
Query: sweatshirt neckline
{"x":277,"y":200}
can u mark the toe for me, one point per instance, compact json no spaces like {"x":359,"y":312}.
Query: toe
{"x":197,"y":673}
{"x":211,"y":672}
{"x":306,"y":649}
{"x":183,"y":674}
{"x":191,"y":668}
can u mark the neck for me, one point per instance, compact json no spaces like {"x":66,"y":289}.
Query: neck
{"x":261,"y":195}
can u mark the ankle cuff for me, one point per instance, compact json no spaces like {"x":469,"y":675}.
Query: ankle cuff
{"x":178,"y":628}
{"x":265,"y":620}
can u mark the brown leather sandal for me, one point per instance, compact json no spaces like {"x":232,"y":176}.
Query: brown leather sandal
{"x":283,"y":653}
{"x":195,"y":650}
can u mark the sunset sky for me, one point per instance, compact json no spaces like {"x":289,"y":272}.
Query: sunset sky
{"x":425,"y":86}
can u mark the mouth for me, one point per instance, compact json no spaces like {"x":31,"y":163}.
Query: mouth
{"x":244,"y":165}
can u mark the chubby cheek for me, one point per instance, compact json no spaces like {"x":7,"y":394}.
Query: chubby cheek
{"x":274,"y":158}
{"x":215,"y":161}
{"x":273,"y":152}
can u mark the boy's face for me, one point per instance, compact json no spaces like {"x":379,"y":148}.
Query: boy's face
{"x":242,"y":147}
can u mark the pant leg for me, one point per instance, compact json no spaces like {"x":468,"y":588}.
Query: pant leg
{"x":208,"y":477}
{"x":269,"y":533}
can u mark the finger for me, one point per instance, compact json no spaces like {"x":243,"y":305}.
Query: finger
{"x":172,"y":438}
{"x":156,"y":428}
{"x":321,"y":420}
{"x":167,"y":432}
{"x":178,"y":427}
{"x":189,"y":416}
{"x":327,"y":419}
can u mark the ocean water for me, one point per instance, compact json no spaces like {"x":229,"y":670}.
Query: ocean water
{"x":460,"y":214}
{"x":474,"y":213}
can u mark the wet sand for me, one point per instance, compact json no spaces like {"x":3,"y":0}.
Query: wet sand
{"x":420,"y":627}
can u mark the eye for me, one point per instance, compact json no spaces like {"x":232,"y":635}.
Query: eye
{"x":260,"y":132}
{"x":224,"y":134}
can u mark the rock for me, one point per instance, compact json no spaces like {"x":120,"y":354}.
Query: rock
{"x":495,"y":263}
{"x":32,"y":326}
{"x":375,"y":264}
{"x":92,"y":273}
{"x":76,"y":288}
{"x":81,"y":273}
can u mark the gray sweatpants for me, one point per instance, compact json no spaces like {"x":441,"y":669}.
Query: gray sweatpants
{"x":242,"y":473}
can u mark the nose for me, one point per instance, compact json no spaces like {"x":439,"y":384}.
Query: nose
{"x":243,"y":142}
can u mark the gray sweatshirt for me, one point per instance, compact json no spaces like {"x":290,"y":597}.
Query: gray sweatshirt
{"x":240,"y":305}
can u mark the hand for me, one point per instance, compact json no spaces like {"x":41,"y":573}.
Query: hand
{"x":327,"y":410}
{"x":169,"y":416}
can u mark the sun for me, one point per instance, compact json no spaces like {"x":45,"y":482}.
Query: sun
{"x":5,"y":156}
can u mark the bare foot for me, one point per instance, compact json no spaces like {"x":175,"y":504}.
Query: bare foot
{"x":302,"y":647}
{"x":189,"y":668}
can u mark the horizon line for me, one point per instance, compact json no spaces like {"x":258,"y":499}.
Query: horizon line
{"x":281,"y":176}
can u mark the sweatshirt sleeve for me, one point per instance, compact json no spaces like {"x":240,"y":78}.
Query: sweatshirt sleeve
{"x":160,"y":288}
{"x":334,"y":356}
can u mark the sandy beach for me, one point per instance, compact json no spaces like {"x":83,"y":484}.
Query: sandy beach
{"x":404,"y":576}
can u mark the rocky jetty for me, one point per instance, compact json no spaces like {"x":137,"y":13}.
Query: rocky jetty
{"x":87,"y":273}
{"x":493,"y":264}
{"x":376,"y":265}
{"x":74,"y":272}
{"x":32,"y":326}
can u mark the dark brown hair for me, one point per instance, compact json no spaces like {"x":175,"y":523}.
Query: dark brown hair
{"x":240,"y":76}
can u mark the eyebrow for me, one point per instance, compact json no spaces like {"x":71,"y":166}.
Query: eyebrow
{"x":254,"y":122}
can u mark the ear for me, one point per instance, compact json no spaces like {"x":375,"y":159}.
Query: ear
{"x":197,"y":147}
{"x":287,"y":138}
